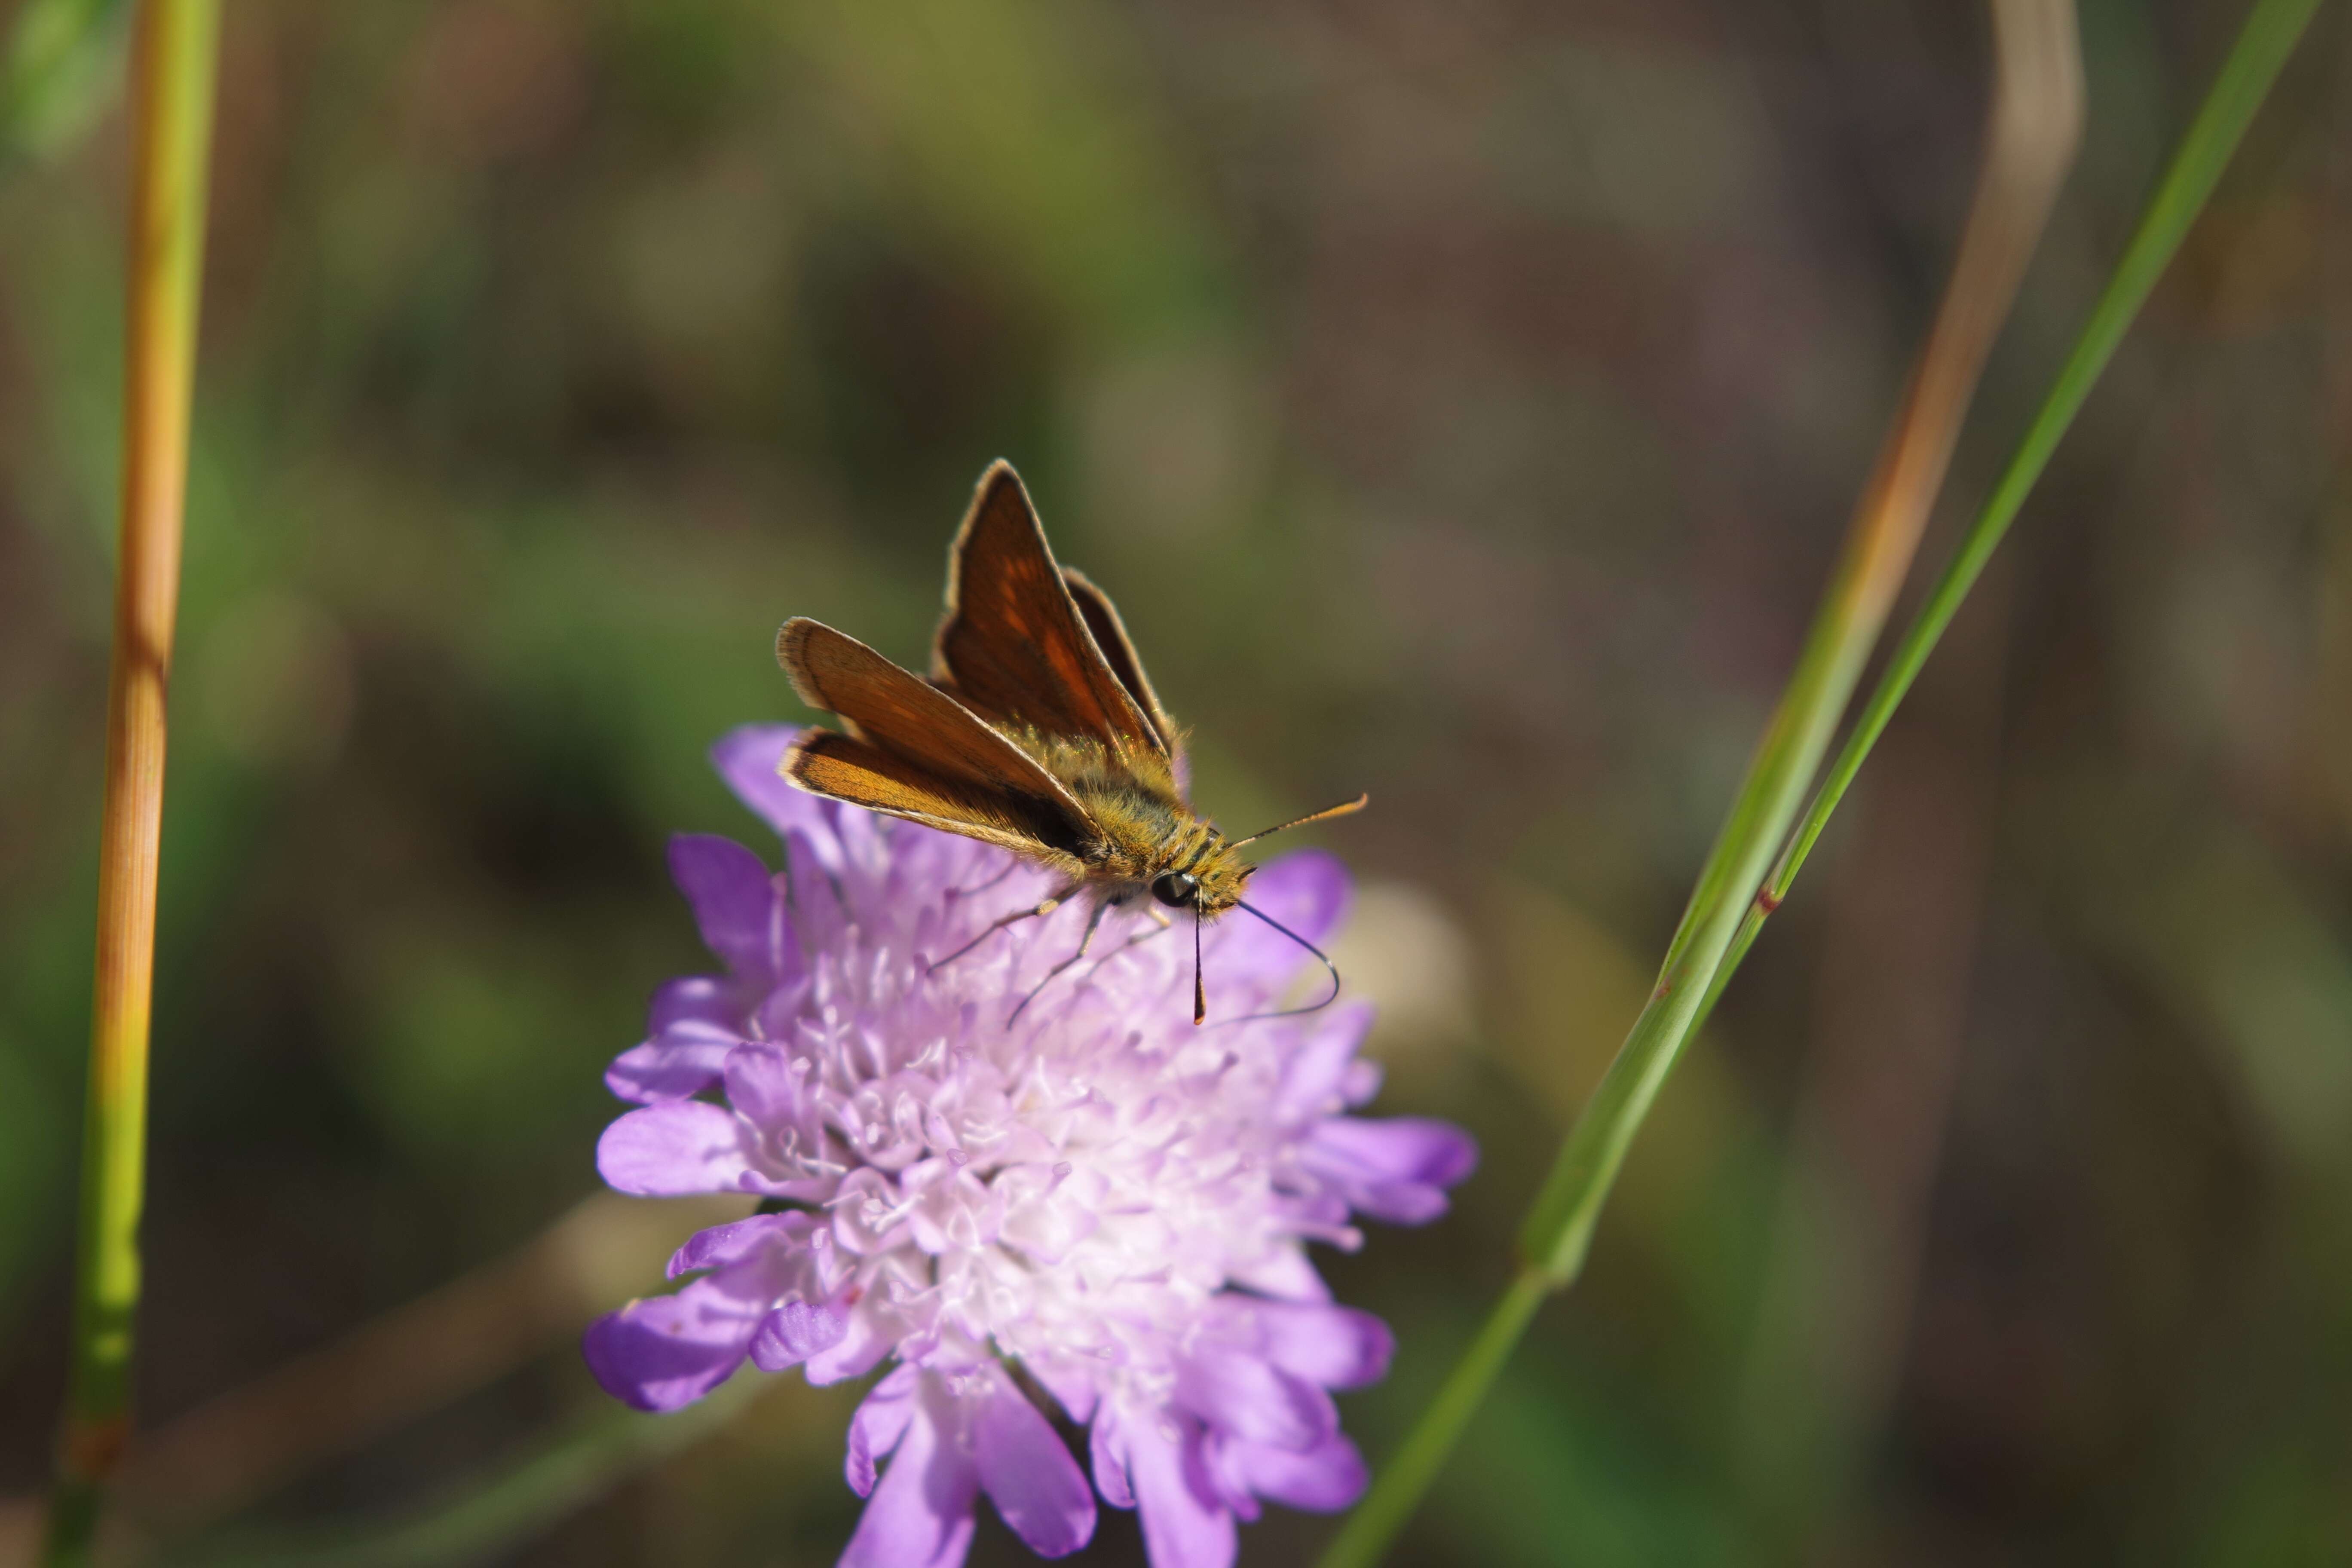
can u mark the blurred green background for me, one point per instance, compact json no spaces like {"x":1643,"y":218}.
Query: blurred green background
{"x":1463,"y":403}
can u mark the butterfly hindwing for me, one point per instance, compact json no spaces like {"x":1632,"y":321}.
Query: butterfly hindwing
{"x":844,"y":768}
{"x":1109,"y":632}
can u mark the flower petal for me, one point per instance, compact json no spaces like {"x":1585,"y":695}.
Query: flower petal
{"x":869,"y":1212}
{"x":678,"y":1063}
{"x":747,"y":757}
{"x":1106,"y":1453}
{"x":866,"y":1337}
{"x":796,"y":1331}
{"x":1315,"y":1079}
{"x":1029,"y":1475}
{"x":819,"y":915}
{"x":734,"y":902}
{"x":763,"y":1086}
{"x":1286,"y":1273}
{"x":1396,"y":1169}
{"x":1071,"y":1383}
{"x":666,"y":1351}
{"x":1184,"y":1524}
{"x":921,"y":1514}
{"x":693,"y":998}
{"x":880,"y":1421}
{"x":1322,"y":1480}
{"x":720,"y":1245}
{"x":1334,"y":1347}
{"x":670,"y":1151}
{"x":1252,"y":1398}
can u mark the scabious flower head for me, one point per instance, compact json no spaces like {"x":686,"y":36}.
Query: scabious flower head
{"x":1095,"y":1204}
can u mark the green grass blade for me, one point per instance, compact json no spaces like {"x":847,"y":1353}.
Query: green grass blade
{"x":2262,"y":51}
{"x":1375,"y":1522}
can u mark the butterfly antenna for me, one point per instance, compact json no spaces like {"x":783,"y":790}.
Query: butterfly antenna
{"x":1342,"y":809}
{"x":1329,"y":967}
{"x":1200,"y":993}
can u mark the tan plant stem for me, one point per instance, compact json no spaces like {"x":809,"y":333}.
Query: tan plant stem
{"x":173,"y":56}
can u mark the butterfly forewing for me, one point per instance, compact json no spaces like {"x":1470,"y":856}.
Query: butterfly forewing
{"x":1013,"y":645}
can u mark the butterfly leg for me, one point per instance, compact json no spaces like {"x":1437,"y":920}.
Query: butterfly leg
{"x":1045,"y":906}
{"x":1093,"y":923}
{"x":1160,"y":922}
{"x":1011,"y":866}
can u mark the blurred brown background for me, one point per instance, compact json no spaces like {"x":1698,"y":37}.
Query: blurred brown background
{"x":1463,"y":403}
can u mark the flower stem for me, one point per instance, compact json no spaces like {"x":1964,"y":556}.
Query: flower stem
{"x":173,"y":60}
{"x":1722,"y":918}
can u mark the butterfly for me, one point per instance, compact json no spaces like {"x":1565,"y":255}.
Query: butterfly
{"x":1038,"y":731}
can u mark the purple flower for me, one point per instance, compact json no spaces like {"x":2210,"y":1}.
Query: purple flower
{"x":1097,"y":1205}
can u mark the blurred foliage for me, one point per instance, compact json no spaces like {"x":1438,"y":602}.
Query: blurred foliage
{"x":59,"y":72}
{"x":1463,"y":403}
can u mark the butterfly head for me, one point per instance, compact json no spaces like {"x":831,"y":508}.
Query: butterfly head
{"x":1210,"y":886}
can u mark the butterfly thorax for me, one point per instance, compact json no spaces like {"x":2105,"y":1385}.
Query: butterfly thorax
{"x":1145,"y":828}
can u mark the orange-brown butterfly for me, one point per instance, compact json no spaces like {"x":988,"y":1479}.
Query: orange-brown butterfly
{"x":1038,"y":731}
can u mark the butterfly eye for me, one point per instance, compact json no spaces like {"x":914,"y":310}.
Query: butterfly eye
{"x":1176,"y":888}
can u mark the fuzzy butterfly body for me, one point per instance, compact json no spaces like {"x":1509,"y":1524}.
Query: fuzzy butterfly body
{"x":1037,"y":729}
{"x":1147,"y":829}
